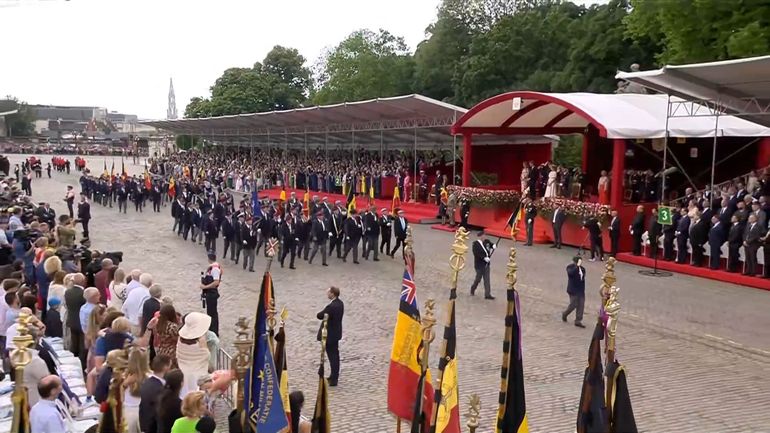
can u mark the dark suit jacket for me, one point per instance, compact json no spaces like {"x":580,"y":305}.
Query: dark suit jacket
{"x":149,"y":393}
{"x":479,"y":253}
{"x":320,"y":231}
{"x":575,"y":284}
{"x":683,"y":227}
{"x":735,"y":235}
{"x":73,"y":299}
{"x":699,"y":232}
{"x":593,"y":227}
{"x":717,"y":235}
{"x":335,"y":309}
{"x":638,"y":224}
{"x":398,"y":230}
{"x":654,"y":229}
{"x":751,"y":235}
{"x":558,"y":218}
{"x":149,"y":308}
{"x":614,"y":227}
{"x":370,"y":224}
{"x":353,"y":229}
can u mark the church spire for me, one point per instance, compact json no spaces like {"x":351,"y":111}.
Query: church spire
{"x":171,"y":111}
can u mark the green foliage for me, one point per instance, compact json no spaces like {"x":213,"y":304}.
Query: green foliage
{"x":363,"y":66}
{"x":186,"y":142}
{"x":280,"y":82}
{"x":569,"y":151}
{"x":687,"y":31}
{"x":20,"y":124}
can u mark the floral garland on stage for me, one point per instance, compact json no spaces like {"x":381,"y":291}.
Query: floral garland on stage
{"x":578,"y":211}
{"x":481,"y":197}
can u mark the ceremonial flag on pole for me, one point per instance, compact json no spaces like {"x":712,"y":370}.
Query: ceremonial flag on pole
{"x":262,"y":404}
{"x":512,"y":410}
{"x":106,"y":173}
{"x":371,"y":195}
{"x":256,"y":206}
{"x":282,"y":369}
{"x":592,"y":414}
{"x":112,"y":172}
{"x":363,"y":185}
{"x":172,"y":187}
{"x":306,"y":203}
{"x":123,"y":173}
{"x":515,"y":216}
{"x":622,"y":417}
{"x":350,"y":201}
{"x":147,"y":180}
{"x":447,"y":397}
{"x":396,"y":200}
{"x":405,"y":370}
{"x":321,"y":416}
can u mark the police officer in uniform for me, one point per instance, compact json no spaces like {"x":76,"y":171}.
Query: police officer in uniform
{"x":210,"y":291}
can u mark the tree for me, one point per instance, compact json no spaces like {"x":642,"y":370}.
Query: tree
{"x":187,"y":142}
{"x":687,"y":31}
{"x":280,"y":82}
{"x":21,"y":123}
{"x":365,"y":65}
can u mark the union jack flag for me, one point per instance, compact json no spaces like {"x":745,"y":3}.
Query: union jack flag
{"x":408,"y":290}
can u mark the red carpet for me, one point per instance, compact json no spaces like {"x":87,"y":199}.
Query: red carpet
{"x":444,"y":228}
{"x":703,"y":272}
{"x":415,"y":213}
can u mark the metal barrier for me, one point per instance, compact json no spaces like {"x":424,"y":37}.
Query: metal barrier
{"x":224,"y":362}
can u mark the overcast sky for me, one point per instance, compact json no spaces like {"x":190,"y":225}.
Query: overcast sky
{"x":120,"y":54}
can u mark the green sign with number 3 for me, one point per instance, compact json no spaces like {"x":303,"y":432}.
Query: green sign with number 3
{"x":665,"y":215}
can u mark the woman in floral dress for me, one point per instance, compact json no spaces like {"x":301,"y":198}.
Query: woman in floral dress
{"x":166,"y":333}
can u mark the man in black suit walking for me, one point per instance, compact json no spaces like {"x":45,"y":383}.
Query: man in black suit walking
{"x":558,"y":221}
{"x":335,"y":309}
{"x":320,"y":234}
{"x":150,"y":392}
{"x":576,"y":289}
{"x":353,"y":232}
{"x":717,"y":237}
{"x":751,"y":241}
{"x":337,"y":233}
{"x":289,"y":236}
{"x":401,"y":225}
{"x":372,"y":232}
{"x":614,"y":229}
{"x":386,"y":223}
{"x":482,"y":254}
{"x":637,"y":228}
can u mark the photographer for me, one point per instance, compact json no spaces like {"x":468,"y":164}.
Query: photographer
{"x":210,"y":291}
{"x":65,"y":231}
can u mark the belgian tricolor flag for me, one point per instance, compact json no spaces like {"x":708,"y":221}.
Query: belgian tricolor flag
{"x":282,"y":369}
{"x":512,"y":410}
{"x":447,"y":400}
{"x":396,"y":200}
{"x":350,"y":201}
{"x":592,"y":413}
{"x":306,"y":203}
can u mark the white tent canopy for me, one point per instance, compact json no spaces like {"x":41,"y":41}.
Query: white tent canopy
{"x":740,"y":87}
{"x":624,"y":116}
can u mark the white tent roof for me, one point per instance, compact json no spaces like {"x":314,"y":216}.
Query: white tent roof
{"x":741,"y":86}
{"x":627,"y":116}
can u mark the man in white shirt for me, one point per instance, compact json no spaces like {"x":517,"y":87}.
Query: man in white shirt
{"x":132,"y":307}
{"x":134,"y":283}
{"x":44,"y":417}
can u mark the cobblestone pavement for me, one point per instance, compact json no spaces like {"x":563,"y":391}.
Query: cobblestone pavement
{"x":697,"y":351}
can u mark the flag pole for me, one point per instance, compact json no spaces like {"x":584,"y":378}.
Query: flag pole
{"x":398,"y":424}
{"x":456,"y":263}
{"x":427,"y":322}
{"x":20,"y":357}
{"x":611,"y":308}
{"x":244,"y":342}
{"x":474,"y":409}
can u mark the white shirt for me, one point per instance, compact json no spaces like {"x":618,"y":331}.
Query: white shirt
{"x":44,"y":417}
{"x":132,"y":285}
{"x":556,"y":212}
{"x":132,"y":307}
{"x":3,"y":310}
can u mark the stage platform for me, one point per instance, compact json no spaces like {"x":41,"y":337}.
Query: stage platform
{"x":703,"y":272}
{"x":415,"y":213}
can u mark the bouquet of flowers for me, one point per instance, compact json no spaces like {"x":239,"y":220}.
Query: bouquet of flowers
{"x":578,"y":211}
{"x":481,"y":197}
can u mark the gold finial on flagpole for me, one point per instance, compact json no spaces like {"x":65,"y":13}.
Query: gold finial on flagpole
{"x":612,"y":308}
{"x":510,"y":276}
{"x":244,"y":342}
{"x":608,"y":280}
{"x":474,"y":409}
{"x":20,"y":357}
{"x":408,"y":246}
{"x":457,"y":259}
{"x":324,"y":336}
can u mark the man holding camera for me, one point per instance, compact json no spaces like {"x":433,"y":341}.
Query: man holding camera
{"x":210,"y":291}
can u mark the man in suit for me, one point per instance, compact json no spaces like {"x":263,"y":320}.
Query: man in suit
{"x":717,"y":237}
{"x":210,"y":231}
{"x":530,"y":212}
{"x":637,"y":228}
{"x":482,"y":254}
{"x":682,"y":234}
{"x":84,"y":213}
{"x":320,"y":235}
{"x":73,"y":299}
{"x":400,"y":229}
{"x":353,"y":232}
{"x":335,"y":309}
{"x":465,"y":212}
{"x":289,"y":236}
{"x":239,"y":229}
{"x":654,"y":230}
{"x":751,"y":242}
{"x":248,"y":245}
{"x":336,"y":228}
{"x":614,"y":229}
{"x":150,"y":392}
{"x":756,"y":209}
{"x":724,"y":212}
{"x":228,"y":234}
{"x":595,"y":234}
{"x":699,"y":231}
{"x":386,"y":224}
{"x":196,"y":218}
{"x":734,"y":242}
{"x":558,"y":221}
{"x":371,"y":232}
{"x":576,"y":289}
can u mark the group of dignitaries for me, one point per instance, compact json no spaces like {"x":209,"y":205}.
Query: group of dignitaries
{"x":300,"y":229}
{"x":734,"y":217}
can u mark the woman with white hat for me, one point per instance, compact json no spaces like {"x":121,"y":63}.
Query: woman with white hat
{"x":192,"y":353}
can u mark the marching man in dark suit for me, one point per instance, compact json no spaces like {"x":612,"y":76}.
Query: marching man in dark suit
{"x":614,"y":229}
{"x":401,"y":226}
{"x":558,"y":221}
{"x":637,"y":228}
{"x":482,"y":254}
{"x":320,"y":235}
{"x":734,"y":242}
{"x":289,"y":236}
{"x":337,"y":233}
{"x":372,"y":232}
{"x":751,"y":241}
{"x":386,"y":223}
{"x":353,"y":232}
{"x":717,"y":237}
{"x":576,"y":289}
{"x":335,"y":310}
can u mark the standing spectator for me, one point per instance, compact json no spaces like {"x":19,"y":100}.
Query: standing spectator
{"x":117,"y":289}
{"x":558,"y":221}
{"x":84,"y":213}
{"x":698,"y":236}
{"x":151,"y":306}
{"x":682,"y":234}
{"x":136,"y":374}
{"x":44,"y":417}
{"x":150,"y":392}
{"x":637,"y":229}
{"x":482,"y":254}
{"x":74,"y":300}
{"x":299,"y":423}
{"x":576,"y":289}
{"x":654,"y":231}
{"x":192,"y":353}
{"x":132,"y":308}
{"x":751,"y":241}
{"x":210,"y":290}
{"x":614,"y":229}
{"x":717,"y":237}
{"x":193,"y":408}
{"x":165,"y":333}
{"x":91,"y":295}
{"x":595,"y":235}
{"x":335,"y":309}
{"x":386,"y":223}
{"x":169,"y":401}
{"x":102,"y":280}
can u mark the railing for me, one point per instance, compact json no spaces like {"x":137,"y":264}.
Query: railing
{"x":719,"y":186}
{"x":224,"y":362}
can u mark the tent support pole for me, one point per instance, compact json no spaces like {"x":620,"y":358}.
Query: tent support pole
{"x":414,"y":178}
{"x":714,"y":149}
{"x":665,"y":154}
